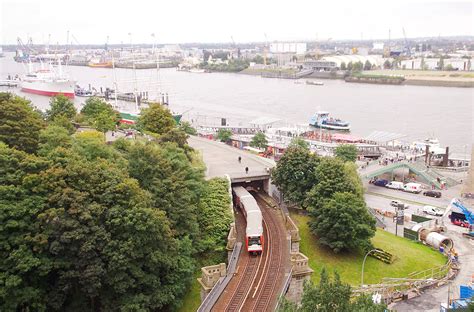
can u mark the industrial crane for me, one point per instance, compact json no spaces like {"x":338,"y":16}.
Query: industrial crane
{"x":407,"y":46}
{"x":468,"y":214}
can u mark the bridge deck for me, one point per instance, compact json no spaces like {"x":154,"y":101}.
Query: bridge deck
{"x":222,"y":159}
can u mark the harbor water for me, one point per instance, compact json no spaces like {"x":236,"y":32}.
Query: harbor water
{"x":416,"y":111}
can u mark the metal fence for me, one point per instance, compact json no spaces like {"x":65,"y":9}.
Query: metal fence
{"x":213,"y":296}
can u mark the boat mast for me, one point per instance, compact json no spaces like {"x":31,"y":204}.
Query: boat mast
{"x":115,"y":80}
{"x":135,"y":91}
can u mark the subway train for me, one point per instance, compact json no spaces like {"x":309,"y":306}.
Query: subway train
{"x":254,"y":230}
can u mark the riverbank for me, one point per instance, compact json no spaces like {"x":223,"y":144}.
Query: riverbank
{"x":430,"y":78}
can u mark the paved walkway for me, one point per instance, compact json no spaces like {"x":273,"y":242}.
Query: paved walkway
{"x":222,"y":159}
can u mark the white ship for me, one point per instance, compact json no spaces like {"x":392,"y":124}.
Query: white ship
{"x":47,"y":82}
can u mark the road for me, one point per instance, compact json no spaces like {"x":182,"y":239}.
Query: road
{"x":430,"y":300}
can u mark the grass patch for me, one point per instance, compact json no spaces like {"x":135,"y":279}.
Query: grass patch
{"x":192,"y":298}
{"x":411,"y":256}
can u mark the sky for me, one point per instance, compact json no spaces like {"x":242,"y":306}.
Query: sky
{"x":179,"y":21}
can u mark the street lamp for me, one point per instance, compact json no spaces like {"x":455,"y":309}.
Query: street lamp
{"x":363,"y":264}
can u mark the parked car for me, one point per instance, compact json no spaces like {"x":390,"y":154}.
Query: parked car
{"x":397,"y":203}
{"x":395,"y":185}
{"x":381,"y":182}
{"x":436,"y":194}
{"x":432,"y":211}
{"x":412,"y":188}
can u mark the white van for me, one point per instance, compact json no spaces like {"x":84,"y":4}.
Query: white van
{"x":412,"y":188}
{"x":432,"y":211}
{"x":395,"y":185}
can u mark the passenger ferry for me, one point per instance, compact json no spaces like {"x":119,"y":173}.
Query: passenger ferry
{"x":322,"y":120}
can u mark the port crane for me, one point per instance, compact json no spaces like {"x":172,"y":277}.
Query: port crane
{"x":468,"y":214}
{"x":407,"y":46}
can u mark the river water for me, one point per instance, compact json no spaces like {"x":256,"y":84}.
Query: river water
{"x":416,"y":111}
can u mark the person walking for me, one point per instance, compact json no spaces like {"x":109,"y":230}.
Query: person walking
{"x":240,"y":159}
{"x":246,"y":169}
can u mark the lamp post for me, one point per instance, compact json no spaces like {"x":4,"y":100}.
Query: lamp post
{"x":363,"y":264}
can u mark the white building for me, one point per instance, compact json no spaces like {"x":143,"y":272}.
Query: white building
{"x":434,"y":64}
{"x":288,"y":47}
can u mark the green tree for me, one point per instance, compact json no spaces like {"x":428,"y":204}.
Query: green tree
{"x":63,"y":121}
{"x":104,"y":122}
{"x":187,"y":128}
{"x":60,"y":105}
{"x":224,"y":135}
{"x":346,"y":152}
{"x":367,"y":65}
{"x":449,"y":67}
{"x":215,"y":214}
{"x":20,"y":123}
{"x":350,"y":66}
{"x":331,"y":177}
{"x":331,"y":295}
{"x":358,"y":66}
{"x":156,"y":119}
{"x":175,"y":185}
{"x":295,"y":174}
{"x":299,"y":141}
{"x":53,"y":137}
{"x":81,"y":235}
{"x":259,"y":140}
{"x":343,"y":222}
{"x":94,"y":106}
{"x":343,"y":66}
{"x":387,"y":64}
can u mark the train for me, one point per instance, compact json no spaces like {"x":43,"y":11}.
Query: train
{"x":253,"y":215}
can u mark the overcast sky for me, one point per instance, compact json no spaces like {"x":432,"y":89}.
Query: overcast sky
{"x":177,"y":21}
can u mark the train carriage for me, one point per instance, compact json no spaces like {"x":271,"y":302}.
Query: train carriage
{"x":254,"y":230}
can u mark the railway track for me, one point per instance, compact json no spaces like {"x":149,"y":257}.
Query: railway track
{"x":258,"y":282}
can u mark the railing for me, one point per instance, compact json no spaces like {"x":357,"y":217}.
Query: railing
{"x":392,"y":287}
{"x":215,"y":293}
{"x":284,"y":290}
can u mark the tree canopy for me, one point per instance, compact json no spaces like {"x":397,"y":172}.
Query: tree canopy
{"x":332,"y":192}
{"x":156,"y":119}
{"x":259,"y":140}
{"x":330,"y":295}
{"x":60,"y":105}
{"x":343,"y":223}
{"x":295,"y":174}
{"x":100,"y":114}
{"x":20,"y":123}
{"x":346,"y":152}
{"x":224,"y":135}
{"x":87,"y":226}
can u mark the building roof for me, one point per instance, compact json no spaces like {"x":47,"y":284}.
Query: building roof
{"x":383,"y":136}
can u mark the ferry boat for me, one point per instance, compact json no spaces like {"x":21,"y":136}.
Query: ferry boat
{"x":47,"y":82}
{"x":322,"y":120}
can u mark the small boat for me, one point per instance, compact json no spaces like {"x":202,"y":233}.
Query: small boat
{"x":322,"y":120}
{"x":197,"y":70}
{"x":314,"y":83}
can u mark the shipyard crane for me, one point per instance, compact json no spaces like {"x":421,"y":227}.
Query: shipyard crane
{"x":407,"y":46}
{"x":234,"y":47}
{"x":468,"y":214}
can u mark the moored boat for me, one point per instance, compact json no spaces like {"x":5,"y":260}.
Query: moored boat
{"x":47,"y":82}
{"x":322,"y":120}
{"x":314,"y":83}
